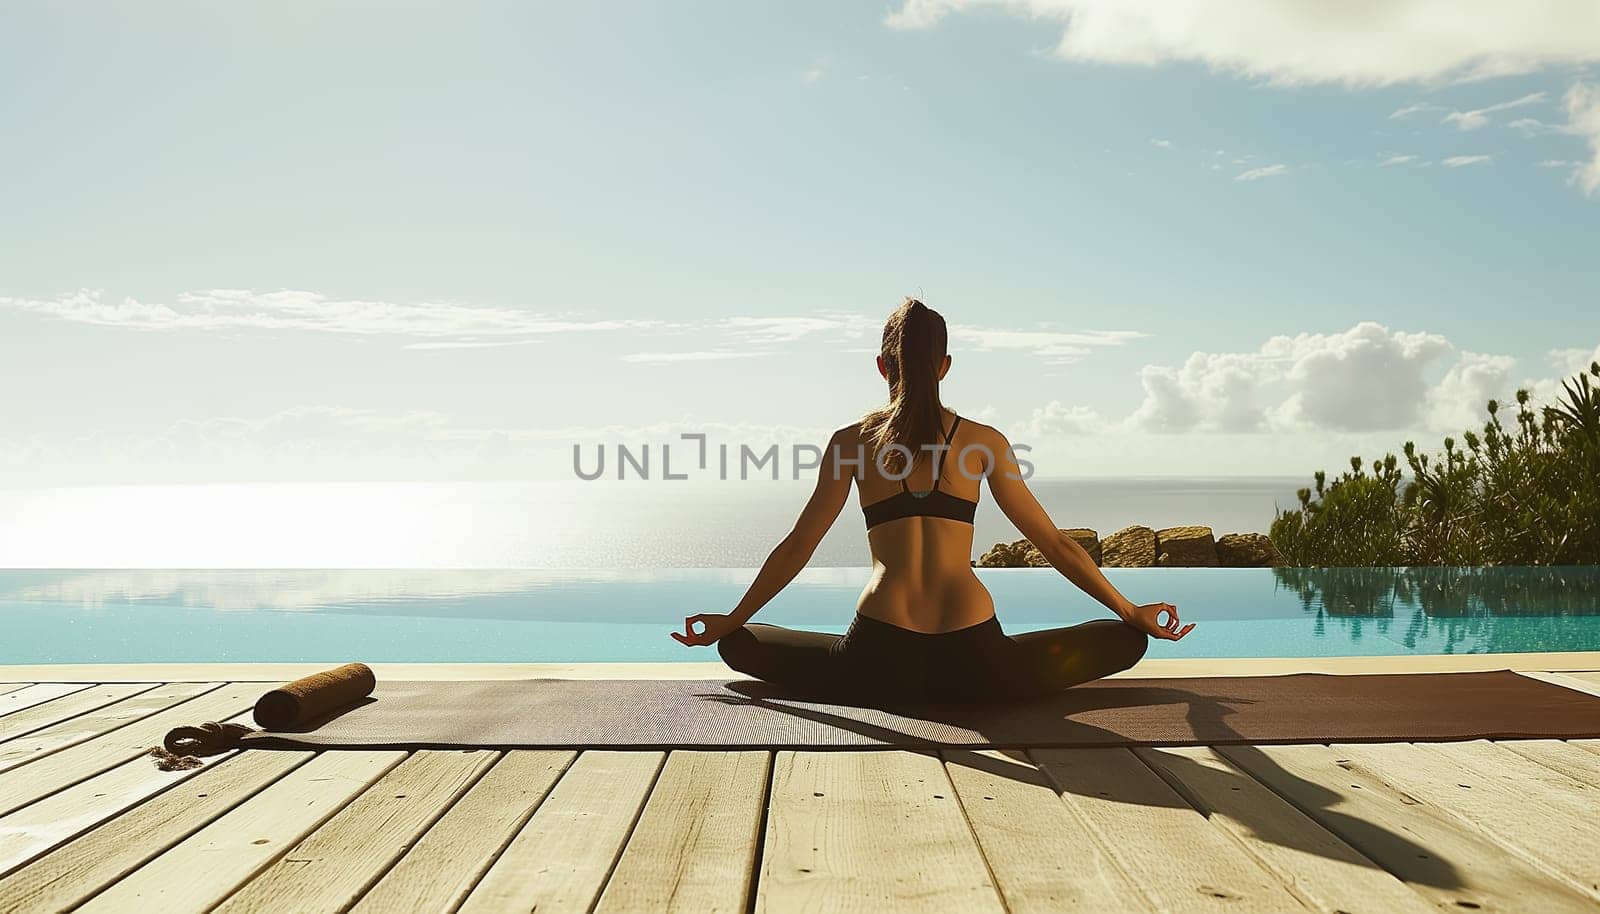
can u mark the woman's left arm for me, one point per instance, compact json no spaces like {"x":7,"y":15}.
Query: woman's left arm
{"x":790,"y":555}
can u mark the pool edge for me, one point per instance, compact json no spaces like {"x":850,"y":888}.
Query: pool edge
{"x":1544,"y":661}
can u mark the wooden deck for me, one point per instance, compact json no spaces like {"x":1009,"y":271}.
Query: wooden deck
{"x":87,"y":822}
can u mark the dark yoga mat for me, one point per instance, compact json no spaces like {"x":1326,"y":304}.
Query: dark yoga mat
{"x":638,"y":714}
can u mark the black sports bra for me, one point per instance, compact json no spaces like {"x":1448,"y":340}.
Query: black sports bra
{"x":933,"y":503}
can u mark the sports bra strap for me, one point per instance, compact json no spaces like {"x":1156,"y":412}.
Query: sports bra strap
{"x":948,"y":441}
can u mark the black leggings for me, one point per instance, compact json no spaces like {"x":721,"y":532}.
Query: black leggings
{"x":876,"y":661}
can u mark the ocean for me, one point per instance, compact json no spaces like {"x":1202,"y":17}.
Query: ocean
{"x":568,"y":524}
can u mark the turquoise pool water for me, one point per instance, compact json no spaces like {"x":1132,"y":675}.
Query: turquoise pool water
{"x":562,"y":616}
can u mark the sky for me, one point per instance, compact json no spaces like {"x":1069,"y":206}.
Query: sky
{"x":394,"y":241}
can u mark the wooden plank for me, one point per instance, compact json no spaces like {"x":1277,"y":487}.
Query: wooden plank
{"x":25,"y":748}
{"x":27,"y":832}
{"x":1569,"y":758}
{"x":1182,"y":862}
{"x":869,"y":831}
{"x":27,"y":697}
{"x":561,"y":858}
{"x":13,"y":686}
{"x":1043,"y":856}
{"x":1429,"y":848}
{"x":1545,"y":816}
{"x":694,"y":847}
{"x":334,"y":865}
{"x":1588,"y":683}
{"x":203,"y":869}
{"x":90,"y":757}
{"x":68,"y":706}
{"x":1593,"y":678}
{"x":1325,"y":873}
{"x":1512,"y":770}
{"x":73,"y":872}
{"x":453,"y":855}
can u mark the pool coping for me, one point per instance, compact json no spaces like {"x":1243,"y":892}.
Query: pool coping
{"x":1548,"y":661}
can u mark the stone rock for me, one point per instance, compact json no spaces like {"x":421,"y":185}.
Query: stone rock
{"x":1186,"y":547}
{"x":1000,"y":555}
{"x":1247,"y":550}
{"x":1030,"y":554}
{"x":1024,"y":554}
{"x":1142,"y":547}
{"x":1020,"y":554}
{"x":1130,"y":547}
{"x":1088,"y":539}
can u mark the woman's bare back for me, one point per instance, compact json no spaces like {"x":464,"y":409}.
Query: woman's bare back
{"x":922,"y":577}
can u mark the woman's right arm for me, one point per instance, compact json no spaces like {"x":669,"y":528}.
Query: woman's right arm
{"x":791,"y":555}
{"x":1017,"y":501}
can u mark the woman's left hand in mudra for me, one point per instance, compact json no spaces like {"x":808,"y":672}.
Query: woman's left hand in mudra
{"x":712,"y":627}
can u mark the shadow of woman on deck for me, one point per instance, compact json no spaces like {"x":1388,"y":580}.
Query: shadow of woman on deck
{"x":1000,"y":726}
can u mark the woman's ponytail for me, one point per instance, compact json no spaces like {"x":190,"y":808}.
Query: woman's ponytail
{"x":914,"y":346}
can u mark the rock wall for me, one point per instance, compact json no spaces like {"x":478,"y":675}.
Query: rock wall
{"x":1130,"y":547}
{"x":1142,"y":547}
{"x":1186,"y":547}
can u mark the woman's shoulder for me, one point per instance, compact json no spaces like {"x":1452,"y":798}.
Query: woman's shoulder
{"x":980,"y":432}
{"x":847,"y":436}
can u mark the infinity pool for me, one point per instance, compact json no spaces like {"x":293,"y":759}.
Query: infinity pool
{"x":466,"y":616}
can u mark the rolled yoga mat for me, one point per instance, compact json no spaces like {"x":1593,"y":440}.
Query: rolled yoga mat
{"x":1299,"y":708}
{"x":318,"y":695}
{"x":288,"y":707}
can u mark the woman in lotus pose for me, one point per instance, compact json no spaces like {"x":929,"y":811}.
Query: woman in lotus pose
{"x":925,"y":628}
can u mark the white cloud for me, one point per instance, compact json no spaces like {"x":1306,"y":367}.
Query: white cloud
{"x":1571,"y":361}
{"x":1479,"y":117}
{"x":815,"y":73}
{"x":1163,"y":144}
{"x":455,"y":326}
{"x":1309,"y":41}
{"x":1555,"y":163}
{"x":1296,"y":42}
{"x":1396,"y":160}
{"x":1532,"y":126}
{"x":235,"y":309}
{"x":1367,"y":378}
{"x":704,"y":355}
{"x":788,"y":329}
{"x":1582,"y":102}
{"x":1407,"y":111}
{"x":1210,"y":392}
{"x":1314,"y":394}
{"x":1466,"y":120}
{"x":1266,"y":171}
{"x":1567,"y":362}
{"x":1053,"y":345}
{"x":1057,"y":418}
{"x":1457,"y":401}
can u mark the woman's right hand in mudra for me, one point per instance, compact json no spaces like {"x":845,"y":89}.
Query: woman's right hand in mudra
{"x":1148,"y":619}
{"x":714,"y":626}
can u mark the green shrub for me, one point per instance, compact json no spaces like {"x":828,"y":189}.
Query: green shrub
{"x":1525,"y":495}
